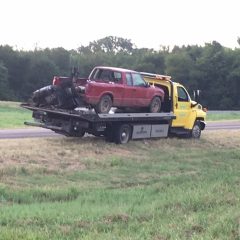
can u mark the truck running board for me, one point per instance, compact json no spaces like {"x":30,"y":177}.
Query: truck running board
{"x":34,"y":124}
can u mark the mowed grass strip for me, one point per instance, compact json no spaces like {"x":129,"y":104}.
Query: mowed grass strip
{"x":66,"y":188}
{"x":12,"y":115}
{"x":223,"y":116}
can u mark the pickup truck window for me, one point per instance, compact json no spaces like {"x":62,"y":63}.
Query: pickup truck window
{"x":94,"y":74}
{"x":138,"y":80}
{"x":117,"y":76}
{"x":129,"y":79}
{"x":182,"y":95}
{"x":106,"y":75}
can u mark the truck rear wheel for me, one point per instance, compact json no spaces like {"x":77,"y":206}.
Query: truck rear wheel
{"x":196,"y":130}
{"x":123,"y":134}
{"x":104,"y":105}
{"x":155,"y":105}
{"x":76,"y":133}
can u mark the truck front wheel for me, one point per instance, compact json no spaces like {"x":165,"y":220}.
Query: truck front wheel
{"x":123,"y":134}
{"x":196,"y":130}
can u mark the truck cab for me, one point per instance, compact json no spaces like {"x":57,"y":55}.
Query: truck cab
{"x":190,"y":115}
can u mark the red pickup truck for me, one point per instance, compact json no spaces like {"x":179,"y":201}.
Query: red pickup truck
{"x":108,"y":87}
{"x":116,"y":87}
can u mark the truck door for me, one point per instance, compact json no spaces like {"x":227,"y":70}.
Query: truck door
{"x":135,"y":91}
{"x":141,"y":90}
{"x":182,"y":106}
{"x":129,"y":91}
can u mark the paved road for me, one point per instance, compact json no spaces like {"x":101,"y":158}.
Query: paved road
{"x":41,"y":132}
{"x":26,"y":133}
{"x":223,"y":125}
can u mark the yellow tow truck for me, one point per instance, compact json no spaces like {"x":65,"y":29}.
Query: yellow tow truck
{"x":179,"y":116}
{"x":190,"y":115}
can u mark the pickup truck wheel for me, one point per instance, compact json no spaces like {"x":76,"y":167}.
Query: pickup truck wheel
{"x":123,"y":134}
{"x":196,"y":130}
{"x":104,"y":104}
{"x":155,"y":105}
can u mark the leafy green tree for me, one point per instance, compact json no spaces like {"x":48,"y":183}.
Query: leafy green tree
{"x":41,"y":74}
{"x":179,"y":66}
{"x":5,"y":93}
{"x":108,"y":44}
{"x":148,"y":60}
{"x":61,"y":58}
{"x":212,"y":68}
{"x":17,"y":66}
{"x":233,"y":82}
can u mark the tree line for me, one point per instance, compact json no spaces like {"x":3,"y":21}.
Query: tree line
{"x":212,"y":68}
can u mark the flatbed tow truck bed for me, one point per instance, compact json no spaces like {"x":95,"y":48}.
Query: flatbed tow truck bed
{"x":116,"y":127}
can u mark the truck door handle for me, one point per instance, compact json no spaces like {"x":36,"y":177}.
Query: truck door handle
{"x":176,"y":105}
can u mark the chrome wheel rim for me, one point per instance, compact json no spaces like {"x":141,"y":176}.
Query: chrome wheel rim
{"x":105,"y":106}
{"x":156,"y":106}
{"x":125,"y":135}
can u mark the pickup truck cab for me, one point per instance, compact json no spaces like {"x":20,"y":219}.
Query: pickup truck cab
{"x":117,"y":87}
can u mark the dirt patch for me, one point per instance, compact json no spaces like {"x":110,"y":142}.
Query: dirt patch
{"x":57,"y":154}
{"x":116,"y":218}
{"x":195,"y":229}
{"x":222,"y":138}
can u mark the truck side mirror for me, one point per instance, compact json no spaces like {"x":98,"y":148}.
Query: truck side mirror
{"x":194,"y":104}
{"x":196,"y":95}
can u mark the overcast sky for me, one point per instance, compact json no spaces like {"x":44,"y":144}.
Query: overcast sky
{"x":148,"y":23}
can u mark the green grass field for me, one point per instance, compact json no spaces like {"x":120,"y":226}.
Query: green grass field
{"x":12,"y":115}
{"x":65,"y":188}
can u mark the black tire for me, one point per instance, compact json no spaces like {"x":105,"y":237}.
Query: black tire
{"x":104,"y":104}
{"x":155,"y":105}
{"x":98,"y":134}
{"x":196,"y":130}
{"x":123,"y":134}
{"x":109,"y":136}
{"x":77,"y":133}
